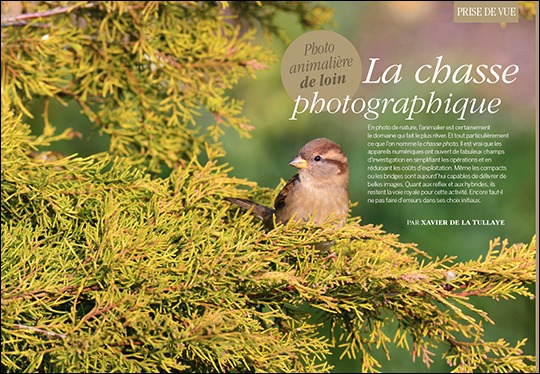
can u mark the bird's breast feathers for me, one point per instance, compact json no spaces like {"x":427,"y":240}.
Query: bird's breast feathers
{"x":320,"y":201}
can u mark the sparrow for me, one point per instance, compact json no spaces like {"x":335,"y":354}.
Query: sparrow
{"x":319,"y":190}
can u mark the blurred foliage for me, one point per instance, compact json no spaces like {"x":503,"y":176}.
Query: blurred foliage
{"x":127,"y":258}
{"x":527,"y":9}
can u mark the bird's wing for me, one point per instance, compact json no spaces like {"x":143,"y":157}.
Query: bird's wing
{"x":279,"y":203}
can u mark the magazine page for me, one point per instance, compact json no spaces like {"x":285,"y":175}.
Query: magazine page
{"x":275,"y":187}
{"x":435,"y":106}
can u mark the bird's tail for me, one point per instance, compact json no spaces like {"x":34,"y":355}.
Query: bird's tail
{"x":260,"y":211}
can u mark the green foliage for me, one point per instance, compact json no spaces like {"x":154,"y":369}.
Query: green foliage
{"x":108,"y":267}
{"x":142,"y":71}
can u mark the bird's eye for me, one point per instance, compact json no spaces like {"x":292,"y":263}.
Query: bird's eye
{"x":317,"y":158}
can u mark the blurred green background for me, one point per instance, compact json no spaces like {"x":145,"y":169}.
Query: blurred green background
{"x":411,"y":33}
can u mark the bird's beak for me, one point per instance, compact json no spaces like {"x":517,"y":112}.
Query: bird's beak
{"x":299,"y":163}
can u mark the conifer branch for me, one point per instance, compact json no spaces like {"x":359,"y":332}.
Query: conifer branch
{"x":132,"y":252}
{"x":40,"y":330}
{"x":20,"y":19}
